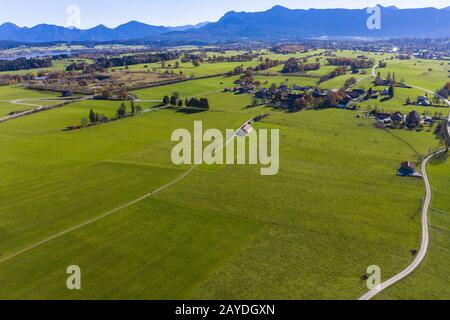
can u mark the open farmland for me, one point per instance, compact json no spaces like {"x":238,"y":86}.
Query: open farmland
{"x":283,"y":232}
{"x":9,"y":94}
{"x":106,"y":196}
{"x":430,"y":279}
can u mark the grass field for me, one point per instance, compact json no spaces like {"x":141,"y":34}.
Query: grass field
{"x":206,"y":236}
{"x":223,"y":232}
{"x":205,"y":69}
{"x":428,"y":74}
{"x":430,"y":281}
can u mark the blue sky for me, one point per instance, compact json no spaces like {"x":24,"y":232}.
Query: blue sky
{"x":166,"y":12}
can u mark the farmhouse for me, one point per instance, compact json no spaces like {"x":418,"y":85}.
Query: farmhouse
{"x":398,"y":117}
{"x":408,"y":169}
{"x":423,"y":101}
{"x":245,"y":130}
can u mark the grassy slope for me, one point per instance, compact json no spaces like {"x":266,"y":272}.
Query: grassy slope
{"x":325,"y":206}
{"x":417,"y":72}
{"x":287,"y":245}
{"x":249,"y":233}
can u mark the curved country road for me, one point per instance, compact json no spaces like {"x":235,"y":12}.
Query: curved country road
{"x":425,"y":238}
{"x":425,"y":214}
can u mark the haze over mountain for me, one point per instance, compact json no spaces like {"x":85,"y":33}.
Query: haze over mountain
{"x":277,"y":23}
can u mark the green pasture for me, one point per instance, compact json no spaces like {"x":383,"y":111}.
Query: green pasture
{"x":430,"y":281}
{"x":224,"y":231}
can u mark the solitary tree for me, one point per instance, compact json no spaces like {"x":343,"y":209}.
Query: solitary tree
{"x":391,"y":91}
{"x":173,"y":101}
{"x":92,"y":116}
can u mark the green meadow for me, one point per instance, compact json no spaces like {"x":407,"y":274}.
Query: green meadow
{"x":223,"y":231}
{"x":427,"y":74}
{"x":10,"y":93}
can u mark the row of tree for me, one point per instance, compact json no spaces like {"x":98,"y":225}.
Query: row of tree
{"x":136,"y":59}
{"x":293,"y":66}
{"x":25,"y":64}
{"x":122,"y":112}
{"x":351,"y":62}
{"x":174,"y":100}
{"x":339,"y":71}
{"x":237,"y":58}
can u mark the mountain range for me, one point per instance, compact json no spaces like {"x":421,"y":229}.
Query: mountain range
{"x":278,"y":23}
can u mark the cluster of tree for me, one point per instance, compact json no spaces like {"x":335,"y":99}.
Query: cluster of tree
{"x":201,"y":103}
{"x":60,"y":56}
{"x":8,"y":79}
{"x":301,"y":103}
{"x":445,"y":91}
{"x":24,"y":64}
{"x":122,"y":111}
{"x":351,"y":62}
{"x":136,"y":59}
{"x":403,"y":57}
{"x":267,"y":64}
{"x":339,"y":71}
{"x":174,"y":100}
{"x":441,"y":132}
{"x":238,"y":58}
{"x":293,"y":66}
{"x":350,"y":82}
{"x":287,"y":49}
{"x":195,"y":59}
{"x":85,"y":67}
{"x":333,"y":98}
{"x":95,"y":118}
{"x":236,"y":71}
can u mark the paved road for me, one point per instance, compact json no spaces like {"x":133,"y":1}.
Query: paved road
{"x":129,"y":204}
{"x":425,"y":238}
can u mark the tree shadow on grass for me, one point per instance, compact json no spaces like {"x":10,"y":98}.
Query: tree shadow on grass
{"x":439,"y":159}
